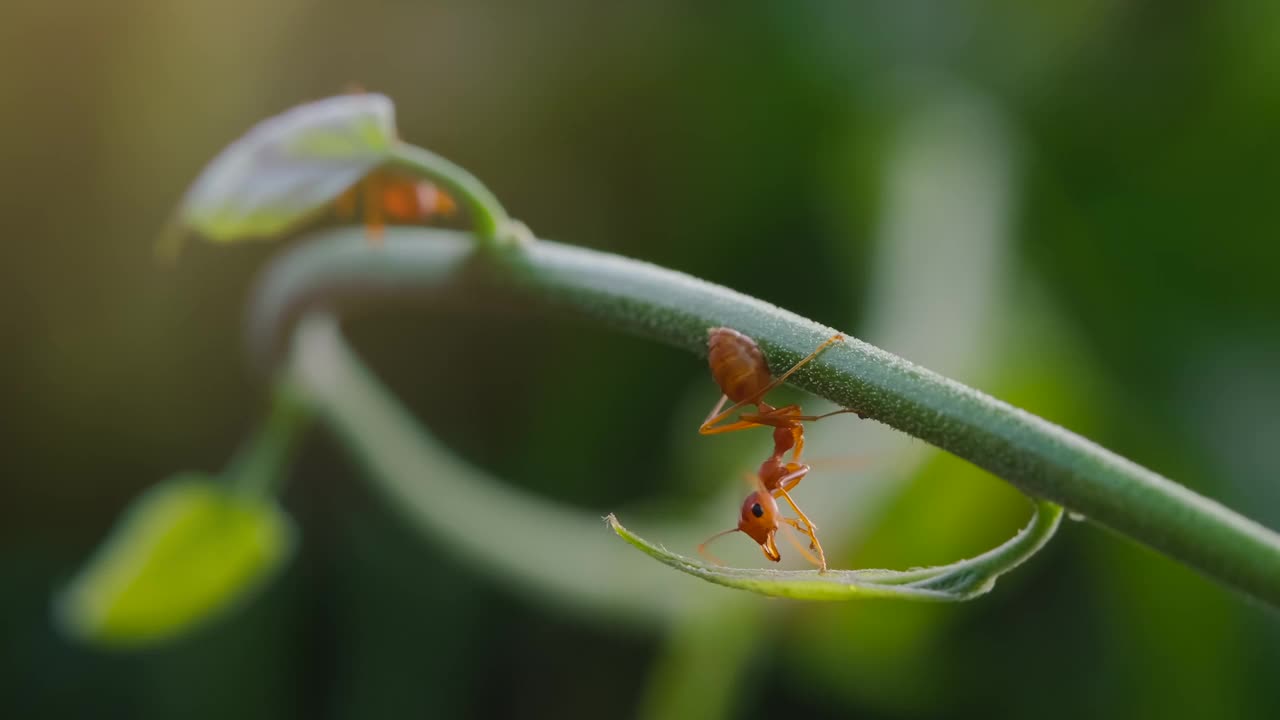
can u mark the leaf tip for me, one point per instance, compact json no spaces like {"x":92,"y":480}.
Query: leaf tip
{"x":289,"y":167}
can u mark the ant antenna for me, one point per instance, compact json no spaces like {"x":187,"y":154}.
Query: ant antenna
{"x":790,"y":529}
{"x":702,"y":549}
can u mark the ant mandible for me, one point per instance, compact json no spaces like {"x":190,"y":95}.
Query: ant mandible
{"x":740,"y":369}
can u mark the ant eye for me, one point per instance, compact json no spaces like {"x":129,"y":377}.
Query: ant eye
{"x":757,"y":510}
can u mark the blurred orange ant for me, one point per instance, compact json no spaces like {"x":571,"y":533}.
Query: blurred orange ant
{"x":384,"y":195}
{"x":740,"y":369}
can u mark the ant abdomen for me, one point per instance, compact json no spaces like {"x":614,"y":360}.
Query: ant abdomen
{"x":737,"y":364}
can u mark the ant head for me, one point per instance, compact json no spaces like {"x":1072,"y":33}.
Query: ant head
{"x":759,"y":520}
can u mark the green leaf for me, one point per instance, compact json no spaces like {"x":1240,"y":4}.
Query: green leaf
{"x":186,"y":551}
{"x":287,"y":168}
{"x":963,"y":580}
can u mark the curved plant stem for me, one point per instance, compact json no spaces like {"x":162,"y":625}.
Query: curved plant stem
{"x":262,"y":463}
{"x":531,"y":542}
{"x":488,"y":217}
{"x":339,"y":270}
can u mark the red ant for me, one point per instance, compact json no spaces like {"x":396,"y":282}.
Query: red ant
{"x":384,"y":195}
{"x":380,"y":195}
{"x":740,"y":369}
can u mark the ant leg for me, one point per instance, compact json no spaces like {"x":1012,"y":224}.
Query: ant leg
{"x":789,"y":482}
{"x":800,"y":514}
{"x":755,"y":397}
{"x":715,"y":411}
{"x":435,"y":200}
{"x":805,"y":361}
{"x":373,"y":208}
{"x":345,"y":205}
{"x":772,"y":418}
{"x":731,"y":427}
{"x":841,"y":411}
{"x":812,"y":533}
{"x":795,"y":473}
{"x":791,"y":538}
{"x":709,"y":426}
{"x":781,"y":417}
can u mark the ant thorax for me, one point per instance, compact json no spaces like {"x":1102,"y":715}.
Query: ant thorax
{"x":771,"y":472}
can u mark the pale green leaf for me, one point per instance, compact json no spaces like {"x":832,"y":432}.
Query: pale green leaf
{"x":186,"y":551}
{"x":963,"y":580}
{"x":286,"y":168}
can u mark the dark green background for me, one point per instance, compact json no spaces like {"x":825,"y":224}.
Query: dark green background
{"x":742,"y":142}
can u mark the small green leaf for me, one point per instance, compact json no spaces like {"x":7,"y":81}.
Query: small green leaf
{"x":958,"y":581}
{"x":286,"y":168}
{"x":186,"y":551}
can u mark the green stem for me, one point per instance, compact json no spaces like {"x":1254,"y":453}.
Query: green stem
{"x":261,"y":465}
{"x":489,"y":218}
{"x":339,"y":270}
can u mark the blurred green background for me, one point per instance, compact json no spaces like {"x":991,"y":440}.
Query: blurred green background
{"x":1133,"y":158}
